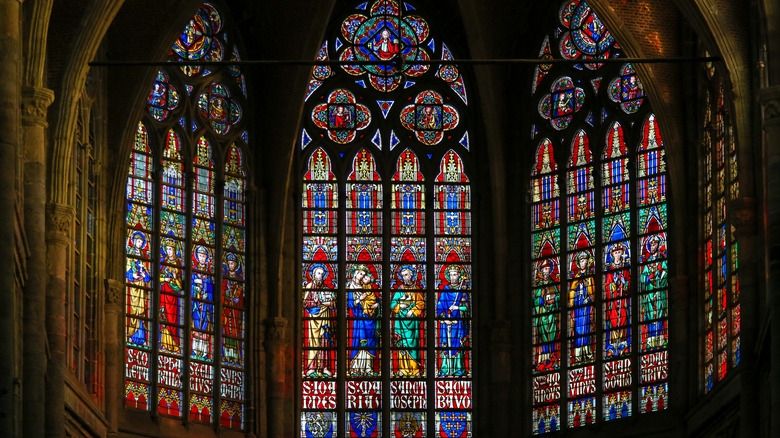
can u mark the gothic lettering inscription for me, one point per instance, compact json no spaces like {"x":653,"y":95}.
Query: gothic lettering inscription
{"x":547,"y":388}
{"x":319,"y":395}
{"x":408,"y":395}
{"x":654,"y":367}
{"x":169,"y":371}
{"x":453,"y":395}
{"x":232,"y":384}
{"x":137,"y":365}
{"x":364,"y":395}
{"x":582,"y":381}
{"x":617,"y":374}
{"x":201,"y":377}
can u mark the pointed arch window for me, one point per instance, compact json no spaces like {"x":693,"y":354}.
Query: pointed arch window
{"x":386,"y":273}
{"x":186,"y":237}
{"x":599,"y":275}
{"x":720,"y":172}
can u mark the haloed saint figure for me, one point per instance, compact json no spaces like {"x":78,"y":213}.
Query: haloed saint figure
{"x":407,"y":307}
{"x":362,"y":303}
{"x":451,"y":306}
{"x":202,"y":308}
{"x":581,"y":297}
{"x":319,"y":306}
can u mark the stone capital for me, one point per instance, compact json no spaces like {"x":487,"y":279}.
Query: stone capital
{"x":35,"y":104}
{"x":742,"y":214}
{"x":58,"y":220}
{"x":770,"y":106}
{"x":276,"y":329}
{"x":113,"y":294}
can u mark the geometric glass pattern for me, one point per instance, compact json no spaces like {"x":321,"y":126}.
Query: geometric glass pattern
{"x":721,"y":299}
{"x":599,"y":273}
{"x":185,"y":241}
{"x":386,"y":268}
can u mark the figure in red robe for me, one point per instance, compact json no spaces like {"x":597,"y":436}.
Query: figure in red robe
{"x":384,"y":46}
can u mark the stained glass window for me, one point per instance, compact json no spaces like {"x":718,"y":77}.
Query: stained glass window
{"x":386,"y":274}
{"x":81,"y":298}
{"x":721,"y":312}
{"x":599,"y":275}
{"x":186,"y":259}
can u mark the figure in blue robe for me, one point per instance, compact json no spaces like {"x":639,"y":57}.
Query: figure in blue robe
{"x":137,"y":276}
{"x":452,"y":305}
{"x":363,"y":304}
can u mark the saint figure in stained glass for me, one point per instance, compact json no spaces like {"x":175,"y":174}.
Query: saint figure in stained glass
{"x":581,"y":297}
{"x":363,"y":304}
{"x":451,"y":306}
{"x":137,"y":278}
{"x":319,"y":306}
{"x":407,"y":305}
{"x":202,"y":291}
{"x":232,"y":317}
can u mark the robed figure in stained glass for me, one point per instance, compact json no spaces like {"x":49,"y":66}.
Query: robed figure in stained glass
{"x":546,"y":303}
{"x":654,"y":280}
{"x":362,"y":304}
{"x":341,"y":118}
{"x":232,"y":296}
{"x":616,"y":287}
{"x":384,"y":45}
{"x":202,"y":313}
{"x":406,"y":306}
{"x":581,"y":297}
{"x":319,"y":305}
{"x":428,"y":118}
{"x":137,"y":276}
{"x":631,"y":89}
{"x":170,"y":303}
{"x":453,"y":331}
{"x":138,"y":246}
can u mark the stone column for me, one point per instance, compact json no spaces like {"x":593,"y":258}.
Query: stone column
{"x":35,"y":102}
{"x":770,"y":103}
{"x":742,"y":215}
{"x":112,"y":336}
{"x":500,"y":395}
{"x":59,"y":218}
{"x":680,"y":364}
{"x":277,"y":345}
{"x":10,"y":120}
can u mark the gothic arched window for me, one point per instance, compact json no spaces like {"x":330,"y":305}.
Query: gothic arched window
{"x":721,"y":322}
{"x":386,"y":305}
{"x":599,"y":287}
{"x":186,"y":222}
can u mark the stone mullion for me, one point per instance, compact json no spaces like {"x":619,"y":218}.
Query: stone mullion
{"x":186,"y":297}
{"x":564,"y":285}
{"x":385,"y":366}
{"x":153,"y":296}
{"x":217,"y":300}
{"x":35,"y":102}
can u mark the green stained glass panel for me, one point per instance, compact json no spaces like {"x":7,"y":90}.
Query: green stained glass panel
{"x":582,"y":235}
{"x":547,"y":243}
